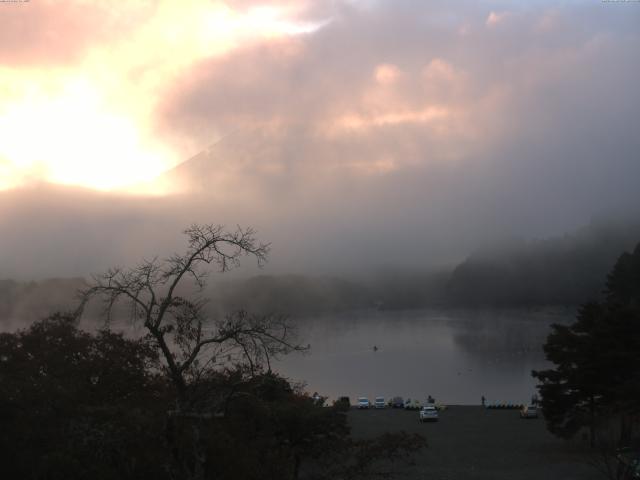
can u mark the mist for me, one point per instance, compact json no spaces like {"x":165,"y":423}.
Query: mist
{"x":354,"y":149}
{"x":210,"y":209}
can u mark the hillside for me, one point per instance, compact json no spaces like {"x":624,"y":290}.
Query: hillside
{"x":560,"y":270}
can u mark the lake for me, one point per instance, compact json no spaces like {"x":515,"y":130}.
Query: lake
{"x":455,"y":355}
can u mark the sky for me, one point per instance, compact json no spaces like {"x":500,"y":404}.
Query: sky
{"x":353,"y":134}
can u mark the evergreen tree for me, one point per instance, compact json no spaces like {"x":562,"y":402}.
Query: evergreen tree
{"x":597,"y":359}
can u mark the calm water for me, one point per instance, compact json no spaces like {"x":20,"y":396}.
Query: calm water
{"x":454,"y":355}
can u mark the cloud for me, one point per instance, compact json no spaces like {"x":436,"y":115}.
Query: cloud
{"x":392,"y":134}
{"x":387,"y":74}
{"x":496,"y":18}
{"x":82,"y":73}
{"x":47,"y":33}
{"x":488,"y":126}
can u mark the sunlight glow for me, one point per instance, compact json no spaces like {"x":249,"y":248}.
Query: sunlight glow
{"x":74,"y":138}
{"x":91,"y":123}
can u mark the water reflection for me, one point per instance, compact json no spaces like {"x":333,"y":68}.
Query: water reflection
{"x":455,"y":355}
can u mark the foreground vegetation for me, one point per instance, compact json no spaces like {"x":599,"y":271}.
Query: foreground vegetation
{"x":594,"y":385}
{"x":75,"y":405}
{"x":191,"y":399}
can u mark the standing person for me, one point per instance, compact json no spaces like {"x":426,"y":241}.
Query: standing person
{"x":483,"y":401}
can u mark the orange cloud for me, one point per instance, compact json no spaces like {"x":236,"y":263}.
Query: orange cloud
{"x":387,"y":74}
{"x":89,"y":118}
{"x":359,"y":122}
{"x":496,"y":18}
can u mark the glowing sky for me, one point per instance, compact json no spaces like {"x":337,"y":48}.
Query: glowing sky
{"x":108,"y":95}
{"x":77,"y":103}
{"x":350,"y":133}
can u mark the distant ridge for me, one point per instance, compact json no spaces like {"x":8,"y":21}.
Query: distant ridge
{"x":24,"y":302}
{"x":568,"y":269}
{"x":233,"y":154}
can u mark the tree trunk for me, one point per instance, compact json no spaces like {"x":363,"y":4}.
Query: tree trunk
{"x":296,"y":466}
{"x":199,"y":453}
{"x":625,"y":428}
{"x":592,"y":422}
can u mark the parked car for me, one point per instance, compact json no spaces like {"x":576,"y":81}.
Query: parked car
{"x":412,"y":404}
{"x":530,"y":411}
{"x":397,"y":402}
{"x":363,"y":402}
{"x":379,"y":402}
{"x":429,"y":413}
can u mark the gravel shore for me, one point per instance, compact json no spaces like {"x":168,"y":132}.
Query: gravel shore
{"x":473,"y":443}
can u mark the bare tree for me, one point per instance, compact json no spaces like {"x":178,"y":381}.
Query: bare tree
{"x":189,"y":343}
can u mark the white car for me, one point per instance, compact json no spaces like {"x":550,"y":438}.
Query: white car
{"x":363,"y":402}
{"x":412,"y":404}
{"x":429,"y":413}
{"x":379,"y":403}
{"x":530,"y":411}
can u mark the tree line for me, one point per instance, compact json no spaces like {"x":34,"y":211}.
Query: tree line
{"x":565,"y":270}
